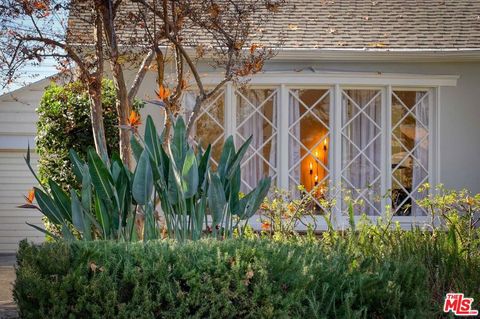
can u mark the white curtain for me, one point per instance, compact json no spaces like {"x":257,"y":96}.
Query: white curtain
{"x":293,"y":146}
{"x":363,"y":172}
{"x":420,"y":165}
{"x":256,"y":126}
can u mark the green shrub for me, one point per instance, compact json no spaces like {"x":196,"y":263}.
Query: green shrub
{"x":241,"y":279}
{"x":64,"y":123}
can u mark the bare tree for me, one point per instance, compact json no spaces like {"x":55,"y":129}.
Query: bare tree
{"x":225,"y":33}
{"x":33,"y":30}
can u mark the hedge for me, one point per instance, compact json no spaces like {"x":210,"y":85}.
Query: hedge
{"x":217,"y":279}
{"x":64,"y":123}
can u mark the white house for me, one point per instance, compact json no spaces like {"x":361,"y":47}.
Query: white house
{"x":370,"y":95}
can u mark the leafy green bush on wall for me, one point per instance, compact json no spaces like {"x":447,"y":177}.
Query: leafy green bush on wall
{"x":64,"y":123}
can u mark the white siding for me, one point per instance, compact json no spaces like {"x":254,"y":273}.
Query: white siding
{"x":17,"y":130}
{"x":15,"y":182}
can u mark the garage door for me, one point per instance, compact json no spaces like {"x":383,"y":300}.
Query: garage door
{"x":15,"y":181}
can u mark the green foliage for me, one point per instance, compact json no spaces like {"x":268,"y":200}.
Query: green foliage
{"x":106,"y":205}
{"x":64,"y":123}
{"x":406,"y":276}
{"x":188,"y":190}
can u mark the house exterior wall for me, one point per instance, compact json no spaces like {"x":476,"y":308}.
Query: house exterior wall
{"x":17,"y":130}
{"x":459,"y":110}
{"x":459,"y":114}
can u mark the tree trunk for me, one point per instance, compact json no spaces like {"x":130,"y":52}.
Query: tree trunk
{"x":96,"y":115}
{"x":122,"y":104}
{"x":123,"y":111}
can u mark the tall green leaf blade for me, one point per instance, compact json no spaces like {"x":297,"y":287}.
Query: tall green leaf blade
{"x":203,"y":166}
{"x":179,"y":142}
{"x":233,"y":194}
{"x":173,"y":187}
{"x":48,"y":207}
{"x":152,"y":141}
{"x":101,"y":179}
{"x":61,"y":200}
{"x":150,"y":229}
{"x":102,"y":216}
{"x":137,"y":148}
{"x":46,"y":232}
{"x":237,"y":158}
{"x":29,"y":165}
{"x":227,"y":153}
{"x":78,"y":218}
{"x":77,"y":164}
{"x":143,"y":180}
{"x":216,"y":198}
{"x":256,"y":198}
{"x":190,"y":175}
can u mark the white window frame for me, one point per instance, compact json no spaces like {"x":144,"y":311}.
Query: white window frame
{"x":336,"y":82}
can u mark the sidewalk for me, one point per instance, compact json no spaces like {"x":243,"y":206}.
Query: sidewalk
{"x":7,"y":276}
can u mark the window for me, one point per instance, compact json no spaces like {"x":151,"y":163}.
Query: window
{"x":410,"y":151}
{"x":256,"y":116}
{"x":308,"y":137}
{"x":374,"y":142}
{"x":361,"y":135}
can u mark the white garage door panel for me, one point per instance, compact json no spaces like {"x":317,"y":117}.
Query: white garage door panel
{"x":18,"y":172}
{"x":15,"y":182}
{"x":11,"y":224}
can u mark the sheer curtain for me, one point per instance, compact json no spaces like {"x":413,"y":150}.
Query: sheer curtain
{"x":293,"y":146}
{"x":262,"y":150}
{"x":362,"y":150}
{"x":420,"y":164}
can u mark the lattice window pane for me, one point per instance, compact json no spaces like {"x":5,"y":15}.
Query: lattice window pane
{"x":361,"y":135}
{"x":210,"y":125}
{"x":409,"y":136}
{"x":309,"y":136}
{"x":256,"y":116}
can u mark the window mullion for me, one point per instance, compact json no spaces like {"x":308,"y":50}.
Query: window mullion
{"x":283,"y":144}
{"x":387,"y":147}
{"x":336,"y":154}
{"x":433,"y":137}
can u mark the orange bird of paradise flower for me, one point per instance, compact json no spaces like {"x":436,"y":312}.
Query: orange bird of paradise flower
{"x":163,"y":93}
{"x":30,"y":196}
{"x":134,"y":119}
{"x":266,"y":226}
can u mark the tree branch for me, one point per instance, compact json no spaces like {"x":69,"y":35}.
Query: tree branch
{"x":140,"y":76}
{"x":75,"y":57}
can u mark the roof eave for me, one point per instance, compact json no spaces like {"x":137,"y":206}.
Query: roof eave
{"x":379,"y":54}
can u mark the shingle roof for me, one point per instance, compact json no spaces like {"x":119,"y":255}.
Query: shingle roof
{"x":355,"y":24}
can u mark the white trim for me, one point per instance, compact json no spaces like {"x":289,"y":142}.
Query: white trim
{"x":229,"y":111}
{"x":386,"y":143}
{"x":342,"y":78}
{"x":283,"y":138}
{"x":336,"y":158}
{"x":437,"y":136}
{"x":379,"y":54}
{"x":337,"y":82}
